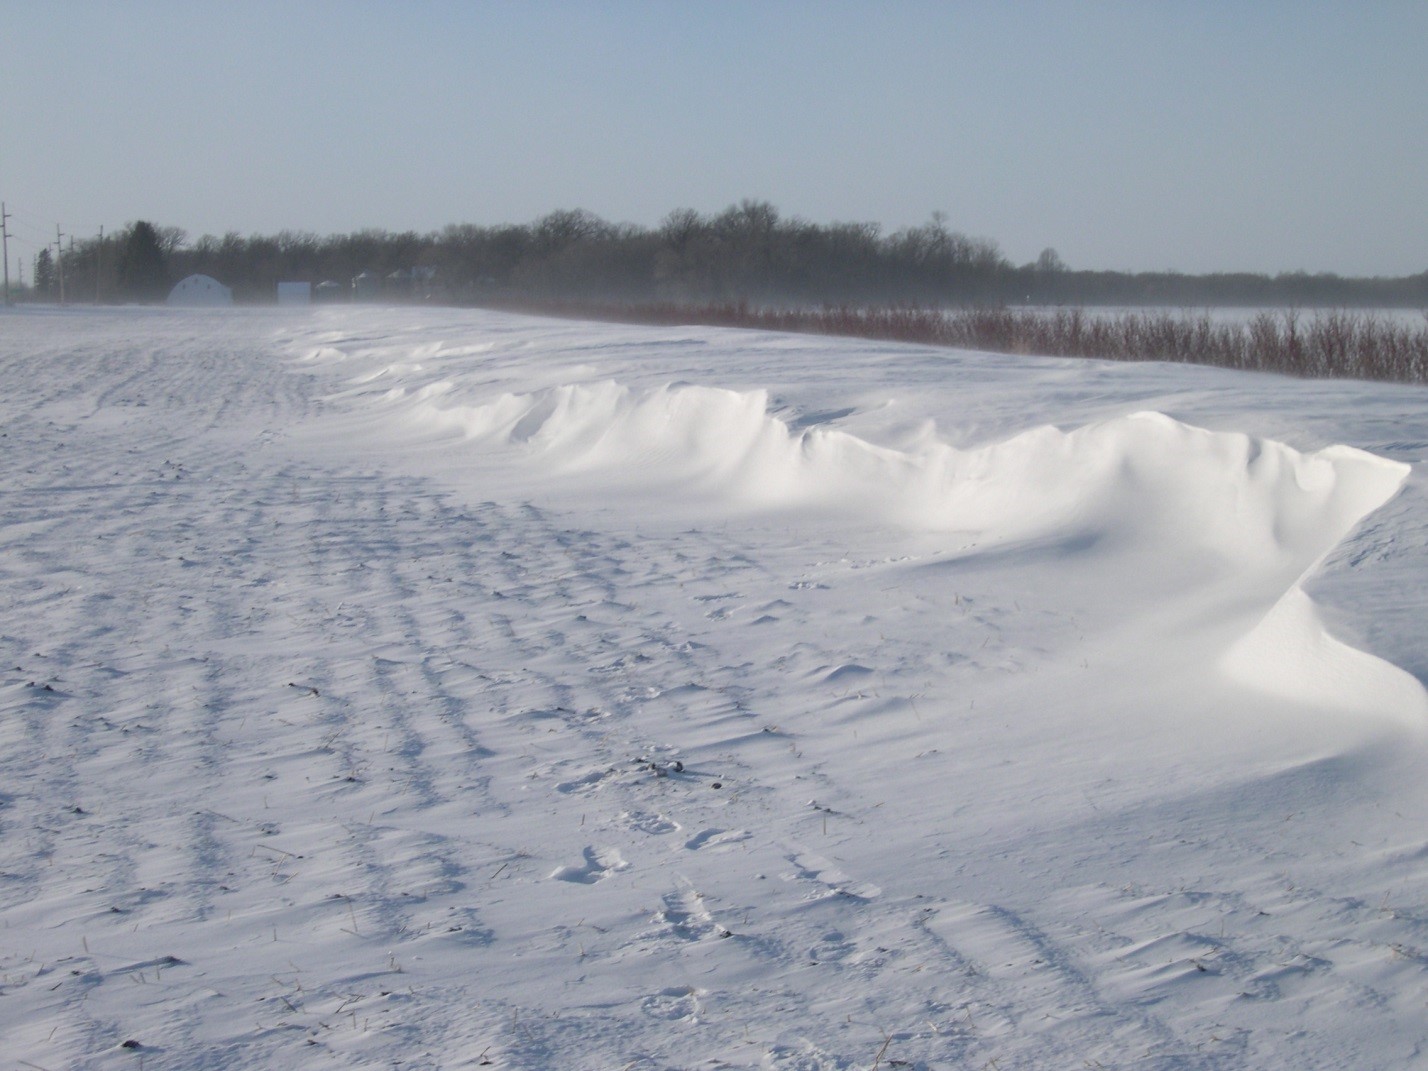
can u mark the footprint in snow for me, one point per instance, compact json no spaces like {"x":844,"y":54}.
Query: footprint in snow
{"x":672,"y":1004}
{"x":599,"y":864}
{"x":835,"y":882}
{"x":716,"y":838}
{"x":584,"y":783}
{"x":686,"y":915}
{"x":653,"y":824}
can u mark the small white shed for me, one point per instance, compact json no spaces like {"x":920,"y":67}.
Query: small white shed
{"x":200,"y":290}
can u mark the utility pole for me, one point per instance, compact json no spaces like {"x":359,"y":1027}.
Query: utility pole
{"x":98,"y":263}
{"x":59,"y":259}
{"x":5,"y":242}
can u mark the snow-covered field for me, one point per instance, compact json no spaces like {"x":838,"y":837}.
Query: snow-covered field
{"x":441,"y":689}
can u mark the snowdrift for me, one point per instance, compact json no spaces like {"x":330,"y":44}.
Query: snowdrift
{"x":1142,"y":476}
{"x":1162,"y":508}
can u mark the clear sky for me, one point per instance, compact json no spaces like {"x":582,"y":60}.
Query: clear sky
{"x":1197,"y":135}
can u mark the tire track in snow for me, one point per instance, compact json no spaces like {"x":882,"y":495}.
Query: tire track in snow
{"x":222,"y":707}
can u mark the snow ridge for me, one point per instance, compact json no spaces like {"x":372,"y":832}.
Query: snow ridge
{"x":1142,"y":491}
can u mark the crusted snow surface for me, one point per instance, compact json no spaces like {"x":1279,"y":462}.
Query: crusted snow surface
{"x":436,"y":688}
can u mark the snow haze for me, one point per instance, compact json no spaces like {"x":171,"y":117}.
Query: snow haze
{"x":1195,"y":137}
{"x":435,"y":688}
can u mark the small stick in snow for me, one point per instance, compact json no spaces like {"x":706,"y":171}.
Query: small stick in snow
{"x":887,"y":1040}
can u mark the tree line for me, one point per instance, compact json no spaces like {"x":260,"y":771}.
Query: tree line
{"x":135,"y":265}
{"x":749,"y":252}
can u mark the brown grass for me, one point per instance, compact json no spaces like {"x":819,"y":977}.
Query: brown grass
{"x":1326,"y":344}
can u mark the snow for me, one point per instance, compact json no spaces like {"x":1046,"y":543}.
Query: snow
{"x":437,"y":688}
{"x":200,"y":290}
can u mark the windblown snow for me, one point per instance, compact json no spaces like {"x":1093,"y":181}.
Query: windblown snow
{"x":434,"y":689}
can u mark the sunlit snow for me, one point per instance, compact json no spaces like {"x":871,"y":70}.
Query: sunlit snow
{"x":439,"y":688}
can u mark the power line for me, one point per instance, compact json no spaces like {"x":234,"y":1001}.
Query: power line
{"x":25,"y":223}
{"x":5,"y":243}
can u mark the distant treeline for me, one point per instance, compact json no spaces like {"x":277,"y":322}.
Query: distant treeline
{"x":748,"y":252}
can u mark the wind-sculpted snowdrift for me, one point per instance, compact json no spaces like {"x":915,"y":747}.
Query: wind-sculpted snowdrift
{"x":1171,"y":510}
{"x":1138,"y":478}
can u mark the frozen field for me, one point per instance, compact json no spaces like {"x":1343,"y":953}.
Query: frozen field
{"x":443,"y":689}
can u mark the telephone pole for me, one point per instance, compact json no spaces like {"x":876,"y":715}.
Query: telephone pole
{"x":59,"y":259}
{"x":98,"y":263}
{"x":5,"y":242}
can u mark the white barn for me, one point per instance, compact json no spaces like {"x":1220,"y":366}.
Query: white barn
{"x":200,"y":290}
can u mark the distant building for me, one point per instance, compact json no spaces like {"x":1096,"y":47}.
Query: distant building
{"x":327,"y":290}
{"x":399,"y":284}
{"x":424,"y":282}
{"x":404,"y":284}
{"x":367,"y":287}
{"x":200,"y":290}
{"x":294,"y":293}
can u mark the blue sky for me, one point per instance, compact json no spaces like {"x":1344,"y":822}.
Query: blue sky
{"x":1195,"y":136}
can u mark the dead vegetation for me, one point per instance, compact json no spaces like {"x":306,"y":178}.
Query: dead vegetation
{"x":1325,"y":344}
